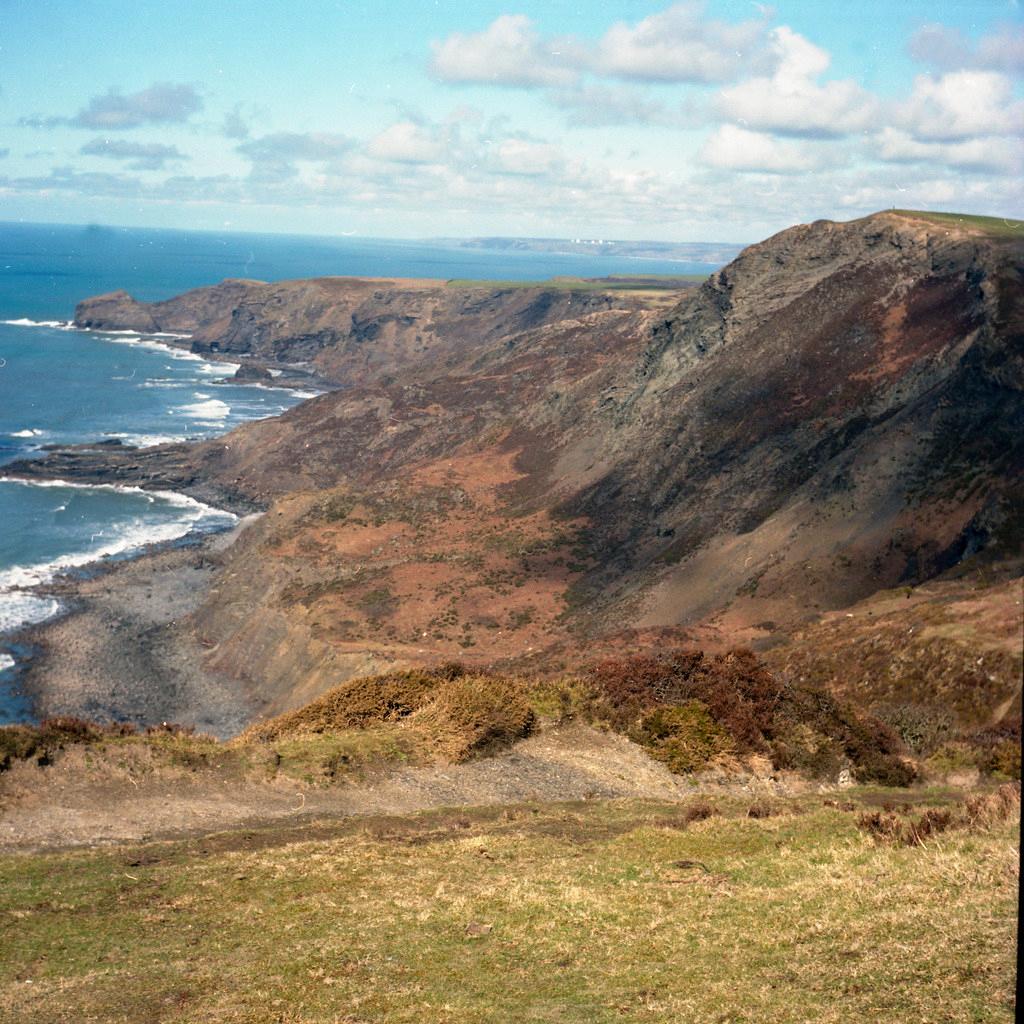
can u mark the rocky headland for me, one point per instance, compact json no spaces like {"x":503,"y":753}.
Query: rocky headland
{"x":521,"y":477}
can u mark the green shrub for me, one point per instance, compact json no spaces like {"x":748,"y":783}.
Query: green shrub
{"x":1002,"y":759}
{"x":683,"y":736}
{"x":954,"y":756}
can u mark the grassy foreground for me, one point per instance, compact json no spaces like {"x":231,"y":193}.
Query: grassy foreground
{"x":592,"y":912}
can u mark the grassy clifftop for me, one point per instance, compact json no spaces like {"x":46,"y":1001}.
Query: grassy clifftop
{"x":998,"y":227}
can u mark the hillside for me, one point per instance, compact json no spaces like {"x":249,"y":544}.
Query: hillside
{"x":508,"y":473}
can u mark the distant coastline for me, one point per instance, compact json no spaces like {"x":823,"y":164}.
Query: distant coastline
{"x":712,"y":253}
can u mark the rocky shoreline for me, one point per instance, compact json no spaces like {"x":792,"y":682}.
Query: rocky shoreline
{"x":122,"y":648}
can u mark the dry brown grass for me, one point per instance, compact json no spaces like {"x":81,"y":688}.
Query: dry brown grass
{"x":974,"y":814}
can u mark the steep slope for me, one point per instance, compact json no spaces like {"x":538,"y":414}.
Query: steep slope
{"x":837,"y":411}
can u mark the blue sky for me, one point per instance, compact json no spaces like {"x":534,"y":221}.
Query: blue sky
{"x":723,"y":120}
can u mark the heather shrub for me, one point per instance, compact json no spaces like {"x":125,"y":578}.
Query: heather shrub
{"x":684,"y":736}
{"x":739,"y":693}
{"x":799,"y":727}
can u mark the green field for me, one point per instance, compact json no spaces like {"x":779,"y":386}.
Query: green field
{"x":1000,"y":227}
{"x":593,"y":912}
{"x":618,"y":283}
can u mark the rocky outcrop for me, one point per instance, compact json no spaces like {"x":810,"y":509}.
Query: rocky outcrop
{"x":184,"y":314}
{"x":839,"y":409}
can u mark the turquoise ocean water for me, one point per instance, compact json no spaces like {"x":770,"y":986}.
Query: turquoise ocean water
{"x":59,"y":385}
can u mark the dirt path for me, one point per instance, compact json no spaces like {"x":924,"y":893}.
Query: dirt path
{"x":75,"y":803}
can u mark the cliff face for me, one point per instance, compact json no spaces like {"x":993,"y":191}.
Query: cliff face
{"x":839,"y":410}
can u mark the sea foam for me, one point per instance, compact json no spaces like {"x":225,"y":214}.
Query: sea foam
{"x":19,"y":608}
{"x":208,"y":409}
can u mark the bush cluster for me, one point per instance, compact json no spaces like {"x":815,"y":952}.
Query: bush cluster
{"x":474,"y":715}
{"x":359,"y":702}
{"x":454,"y":714}
{"x":688,"y":709}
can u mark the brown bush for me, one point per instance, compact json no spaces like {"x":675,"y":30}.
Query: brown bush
{"x":800,"y":727}
{"x":41,"y":742}
{"x":843,"y":737}
{"x":699,"y":810}
{"x":473,"y":715}
{"x":998,"y":750}
{"x":170,"y":729}
{"x":358,"y":703}
{"x":990,"y":809}
{"x":738,"y":691}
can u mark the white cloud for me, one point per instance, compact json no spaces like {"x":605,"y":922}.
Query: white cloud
{"x":597,"y":104}
{"x":961,"y":105}
{"x":791,"y":101}
{"x":678,"y":45}
{"x":947,"y":49}
{"x":510,"y":51}
{"x":274,"y":157}
{"x":407,"y":142}
{"x":738,"y":149}
{"x":526,"y":157}
{"x":235,"y":125}
{"x":143,"y":156}
{"x":1001,"y":154}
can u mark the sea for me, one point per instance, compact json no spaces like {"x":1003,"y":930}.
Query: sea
{"x":60,"y":385}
